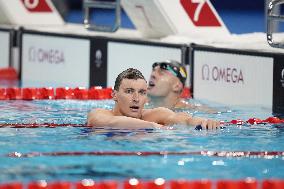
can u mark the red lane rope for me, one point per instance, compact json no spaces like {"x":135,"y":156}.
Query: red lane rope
{"x":37,"y":125}
{"x":264,"y":154}
{"x":8,"y":74}
{"x":158,"y":183}
{"x":251,"y":121}
{"x":79,"y":93}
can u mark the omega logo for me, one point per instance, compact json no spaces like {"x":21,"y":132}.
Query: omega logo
{"x":98,"y":58}
{"x":205,"y":72}
{"x":282,"y":77}
{"x":51,"y":56}
{"x":222,"y":74}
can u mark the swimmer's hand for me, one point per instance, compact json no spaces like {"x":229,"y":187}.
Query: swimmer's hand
{"x":205,"y":124}
{"x":208,"y":124}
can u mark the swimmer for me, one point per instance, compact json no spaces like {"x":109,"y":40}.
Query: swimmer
{"x":166,"y":84}
{"x":130,"y":96}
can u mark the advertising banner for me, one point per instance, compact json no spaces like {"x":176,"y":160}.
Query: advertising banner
{"x":55,"y":61}
{"x":5,"y":49}
{"x":233,"y":78}
{"x":122,"y":55}
{"x":278,"y":85}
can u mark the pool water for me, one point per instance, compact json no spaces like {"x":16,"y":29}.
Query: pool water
{"x":28,"y":154}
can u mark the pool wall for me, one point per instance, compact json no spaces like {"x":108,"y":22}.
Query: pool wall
{"x":6,"y":38}
{"x":239,"y":76}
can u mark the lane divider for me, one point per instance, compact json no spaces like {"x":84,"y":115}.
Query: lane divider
{"x":78,"y":93}
{"x":8,"y":73}
{"x":37,"y":125}
{"x":250,"y":121}
{"x":158,"y":183}
{"x":258,"y":154}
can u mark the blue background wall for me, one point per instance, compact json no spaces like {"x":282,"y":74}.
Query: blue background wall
{"x":240,"y":16}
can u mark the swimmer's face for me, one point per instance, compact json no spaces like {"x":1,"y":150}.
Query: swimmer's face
{"x":161,"y":82}
{"x":131,"y":97}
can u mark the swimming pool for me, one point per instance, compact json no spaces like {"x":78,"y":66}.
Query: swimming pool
{"x":69,"y":153}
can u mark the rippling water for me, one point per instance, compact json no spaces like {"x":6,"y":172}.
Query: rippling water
{"x":262,"y":137}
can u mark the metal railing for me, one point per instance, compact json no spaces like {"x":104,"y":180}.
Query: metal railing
{"x":94,"y":4}
{"x":272,"y":17}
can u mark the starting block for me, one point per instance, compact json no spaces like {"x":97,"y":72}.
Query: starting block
{"x":160,"y":18}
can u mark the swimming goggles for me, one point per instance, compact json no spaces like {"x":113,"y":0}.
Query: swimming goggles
{"x":179,"y":72}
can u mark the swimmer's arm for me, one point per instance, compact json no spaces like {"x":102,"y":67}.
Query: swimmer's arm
{"x":168,"y":117}
{"x":164,"y":116}
{"x":103,"y":118}
{"x":194,"y":121}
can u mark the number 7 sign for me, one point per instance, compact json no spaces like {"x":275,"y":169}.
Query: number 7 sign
{"x":159,"y":18}
{"x":200,"y":13}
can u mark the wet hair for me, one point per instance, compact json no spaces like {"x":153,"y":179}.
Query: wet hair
{"x":130,"y":73}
